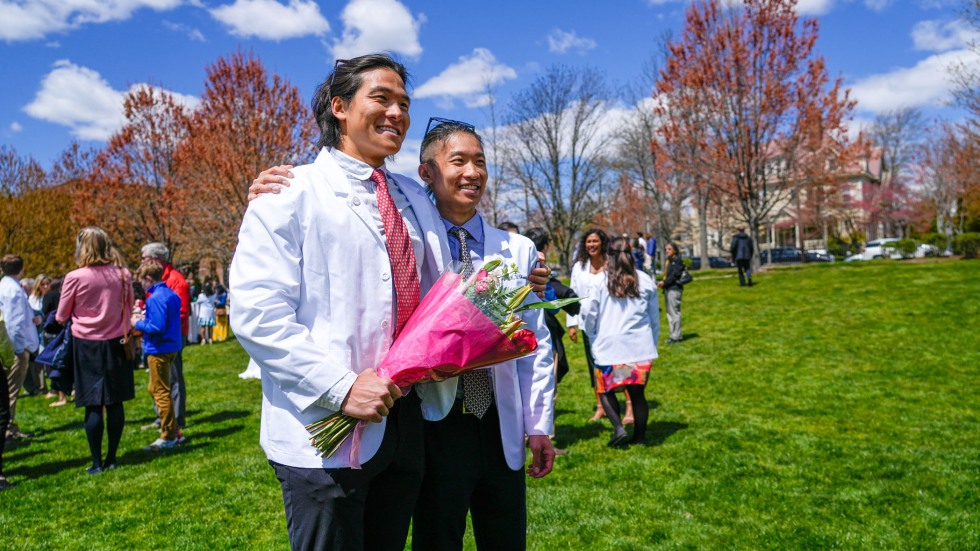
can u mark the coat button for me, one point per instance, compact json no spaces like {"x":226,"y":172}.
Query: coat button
{"x":385,"y":276}
{"x":357,"y":201}
{"x":384,"y":324}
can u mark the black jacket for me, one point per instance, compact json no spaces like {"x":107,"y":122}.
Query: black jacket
{"x":741,"y":246}
{"x":673,"y":273}
{"x":555,"y":327}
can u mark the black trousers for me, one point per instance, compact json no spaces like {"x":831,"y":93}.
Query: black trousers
{"x":465,"y":470}
{"x":353,"y":509}
{"x":4,"y":413}
{"x":744,"y":269}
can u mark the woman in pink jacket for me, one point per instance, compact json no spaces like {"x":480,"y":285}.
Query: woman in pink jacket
{"x":98,"y":297}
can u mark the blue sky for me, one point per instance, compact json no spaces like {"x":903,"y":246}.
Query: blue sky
{"x":66,"y":64}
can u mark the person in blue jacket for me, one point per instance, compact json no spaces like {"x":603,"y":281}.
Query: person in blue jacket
{"x":162,"y":340}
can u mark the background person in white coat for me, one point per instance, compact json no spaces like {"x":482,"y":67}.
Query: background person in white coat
{"x":475,"y":459}
{"x":316,"y":308}
{"x":622,"y":319}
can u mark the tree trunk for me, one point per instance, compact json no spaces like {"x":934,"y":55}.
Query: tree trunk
{"x":754,"y":232}
{"x":703,"y":229}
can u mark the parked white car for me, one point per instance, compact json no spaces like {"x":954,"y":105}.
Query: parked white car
{"x":873,"y":250}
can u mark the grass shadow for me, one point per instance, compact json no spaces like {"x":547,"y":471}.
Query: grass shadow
{"x":689,"y":336}
{"x":47,"y":469}
{"x":223,"y":416}
{"x":568,"y":435}
{"x":16,"y":457}
{"x":658,"y":432}
{"x":217,"y":433}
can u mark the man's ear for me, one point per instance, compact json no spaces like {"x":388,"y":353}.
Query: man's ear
{"x":425,"y":172}
{"x":339,"y":108}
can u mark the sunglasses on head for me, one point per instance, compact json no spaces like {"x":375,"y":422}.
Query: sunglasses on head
{"x":436,"y":122}
{"x":336,"y":65}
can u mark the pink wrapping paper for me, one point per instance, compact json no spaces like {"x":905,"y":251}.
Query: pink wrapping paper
{"x":446,"y":336}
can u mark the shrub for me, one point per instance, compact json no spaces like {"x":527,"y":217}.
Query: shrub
{"x":905,"y":247}
{"x":841,"y":248}
{"x":967,"y":244}
{"x":938,"y":240}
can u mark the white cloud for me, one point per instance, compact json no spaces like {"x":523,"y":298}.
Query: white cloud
{"x":79,"y":98}
{"x":15,"y":127}
{"x":378,"y":25}
{"x":406,"y":161}
{"x":32,"y":19}
{"x":934,"y":36}
{"x":926,"y":83}
{"x":560,"y":41}
{"x":814,"y":7}
{"x":192,"y":33}
{"x":466,"y":80}
{"x":270,"y":20}
{"x":877,"y":5}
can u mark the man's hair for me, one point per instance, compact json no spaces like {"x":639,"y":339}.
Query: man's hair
{"x":150,"y":269}
{"x":156,"y":250}
{"x":438,"y":135}
{"x":345,"y":81}
{"x":11,"y":264}
{"x":508,"y":226}
{"x":94,"y":248}
{"x":539,"y":237}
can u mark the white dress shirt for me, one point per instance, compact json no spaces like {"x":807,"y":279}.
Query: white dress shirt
{"x":18,"y":315}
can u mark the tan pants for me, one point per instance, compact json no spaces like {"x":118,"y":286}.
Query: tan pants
{"x":159,"y":387}
{"x":15,"y":380}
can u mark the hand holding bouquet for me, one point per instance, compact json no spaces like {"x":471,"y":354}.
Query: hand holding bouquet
{"x":459,"y":326}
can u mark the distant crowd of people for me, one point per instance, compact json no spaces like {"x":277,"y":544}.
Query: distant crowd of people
{"x":80,"y":337}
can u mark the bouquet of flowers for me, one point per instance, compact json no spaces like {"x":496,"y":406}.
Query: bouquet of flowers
{"x":459,"y":326}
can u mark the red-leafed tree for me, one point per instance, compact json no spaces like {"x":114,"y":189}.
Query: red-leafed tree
{"x":642,"y":161}
{"x":762,"y":101}
{"x":34,"y":208}
{"x":627,"y":209}
{"x":248,"y":120}
{"x":135,"y":193}
{"x":945,"y":173}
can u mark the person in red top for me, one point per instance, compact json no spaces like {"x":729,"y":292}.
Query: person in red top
{"x":177,"y":283}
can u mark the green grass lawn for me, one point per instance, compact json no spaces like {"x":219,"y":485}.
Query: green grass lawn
{"x":829,"y":406}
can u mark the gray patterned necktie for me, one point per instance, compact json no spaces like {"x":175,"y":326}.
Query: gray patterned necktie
{"x":464,"y":251}
{"x":476,"y":384}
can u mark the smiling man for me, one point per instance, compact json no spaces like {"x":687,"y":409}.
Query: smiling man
{"x":324,"y":277}
{"x":476,"y":424}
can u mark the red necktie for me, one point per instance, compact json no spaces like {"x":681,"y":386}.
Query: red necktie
{"x":400,"y":253}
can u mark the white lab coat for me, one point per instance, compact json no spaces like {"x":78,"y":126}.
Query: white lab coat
{"x":524,"y":389}
{"x":311,"y":284}
{"x":622,"y":330}
{"x":585,"y":285}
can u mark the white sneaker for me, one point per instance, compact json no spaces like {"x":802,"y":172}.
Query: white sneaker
{"x":160,"y":444}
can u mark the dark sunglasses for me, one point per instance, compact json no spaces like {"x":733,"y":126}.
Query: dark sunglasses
{"x":435,"y":122}
{"x":438,"y":121}
{"x":336,"y":65}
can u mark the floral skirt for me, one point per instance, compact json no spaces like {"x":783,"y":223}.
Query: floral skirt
{"x":611,"y":377}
